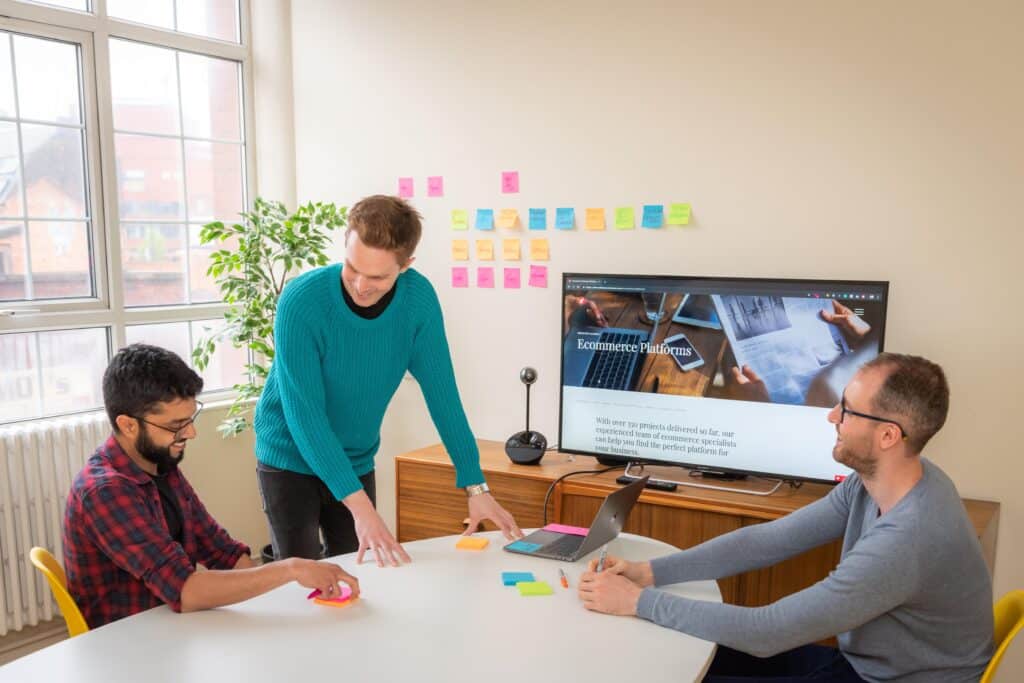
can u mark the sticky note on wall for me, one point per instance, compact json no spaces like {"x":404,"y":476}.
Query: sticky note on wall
{"x":460,"y":250}
{"x":565,"y":218}
{"x":485,"y":277}
{"x":508,"y":219}
{"x":485,"y":219}
{"x":405,"y":187}
{"x":539,"y":250}
{"x":509,"y":181}
{"x":595,"y":219}
{"x":512,"y":278}
{"x":435,"y":186}
{"x":654,"y":215}
{"x":484,"y":250}
{"x":624,"y":218}
{"x":510,"y":250}
{"x":538,"y":276}
{"x":460,"y":219}
{"x":538,"y":219}
{"x":679,"y":214}
{"x":460,"y":276}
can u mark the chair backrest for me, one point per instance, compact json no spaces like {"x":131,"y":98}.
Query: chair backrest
{"x":46,"y":563}
{"x":1009,"y":613}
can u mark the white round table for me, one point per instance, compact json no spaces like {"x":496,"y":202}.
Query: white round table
{"x":445,"y":617}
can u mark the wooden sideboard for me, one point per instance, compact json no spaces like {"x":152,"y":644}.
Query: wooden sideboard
{"x":429,"y":505}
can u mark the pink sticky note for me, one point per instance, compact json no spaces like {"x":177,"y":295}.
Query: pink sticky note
{"x":346,"y":593}
{"x":405,"y":187}
{"x":485,"y":276}
{"x":460,"y":276}
{"x":538,"y":276}
{"x":435,"y":186}
{"x":511,"y":278}
{"x":564,"y":529}
{"x":509,"y":181}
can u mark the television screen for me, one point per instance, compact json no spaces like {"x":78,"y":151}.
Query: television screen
{"x":735,"y":375}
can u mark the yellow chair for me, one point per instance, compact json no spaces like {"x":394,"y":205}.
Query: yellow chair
{"x":1009,"y":613}
{"x":45,"y":562}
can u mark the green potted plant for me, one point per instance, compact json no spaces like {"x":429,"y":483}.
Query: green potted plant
{"x":273,"y":247}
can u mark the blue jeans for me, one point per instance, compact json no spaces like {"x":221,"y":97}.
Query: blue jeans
{"x":807,"y":663}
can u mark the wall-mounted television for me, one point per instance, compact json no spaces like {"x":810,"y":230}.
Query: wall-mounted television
{"x":725,"y":375}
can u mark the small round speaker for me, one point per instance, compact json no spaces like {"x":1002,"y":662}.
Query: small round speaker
{"x":526,"y":448}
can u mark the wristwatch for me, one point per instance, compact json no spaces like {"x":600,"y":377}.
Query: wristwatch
{"x":477,"y":489}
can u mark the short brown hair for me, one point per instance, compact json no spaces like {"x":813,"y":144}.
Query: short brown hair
{"x":385,"y":222}
{"x":915,"y":389}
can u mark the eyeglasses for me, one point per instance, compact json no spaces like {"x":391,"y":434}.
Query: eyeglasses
{"x":843,"y":411}
{"x":178,"y":432}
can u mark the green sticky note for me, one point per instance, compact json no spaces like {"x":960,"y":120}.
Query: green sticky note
{"x":460,"y":219}
{"x":678,"y":214}
{"x":534,"y":588}
{"x":624,"y":218}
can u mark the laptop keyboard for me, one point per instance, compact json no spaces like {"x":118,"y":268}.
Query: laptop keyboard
{"x":613,"y":369}
{"x":564,"y":547}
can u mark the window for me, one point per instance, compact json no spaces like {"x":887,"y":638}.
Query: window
{"x":121,"y":135}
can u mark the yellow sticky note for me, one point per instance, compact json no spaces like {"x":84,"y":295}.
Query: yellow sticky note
{"x":510,"y":250}
{"x":595,"y":219}
{"x":539,"y":250}
{"x":624,"y":218}
{"x":472,"y":543}
{"x":460,"y":250}
{"x":460,"y":219}
{"x":508,"y":218}
{"x":678,"y":214}
{"x":484,"y":250}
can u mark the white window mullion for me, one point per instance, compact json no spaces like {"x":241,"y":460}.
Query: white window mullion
{"x":29,"y":288}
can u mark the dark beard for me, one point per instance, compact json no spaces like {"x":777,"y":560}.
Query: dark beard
{"x":865,"y":466}
{"x":159,"y":456}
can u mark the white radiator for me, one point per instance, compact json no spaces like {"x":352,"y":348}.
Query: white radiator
{"x":38,"y":460}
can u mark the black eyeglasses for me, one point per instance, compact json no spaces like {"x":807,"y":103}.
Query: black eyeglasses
{"x":178,"y":432}
{"x":843,"y":411}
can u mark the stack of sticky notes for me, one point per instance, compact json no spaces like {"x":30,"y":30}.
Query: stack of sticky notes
{"x":524,"y":546}
{"x":512,"y":578}
{"x":472,"y":543}
{"x":534,"y":588}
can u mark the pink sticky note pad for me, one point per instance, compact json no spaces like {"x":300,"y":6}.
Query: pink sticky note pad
{"x":485,"y":277}
{"x":435,"y":186}
{"x":564,"y":529}
{"x":509,"y":181}
{"x":344,"y":597}
{"x":538,"y":276}
{"x":511,"y":278}
{"x":405,"y":187}
{"x":460,"y":277}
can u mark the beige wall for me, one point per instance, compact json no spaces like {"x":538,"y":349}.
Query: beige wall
{"x":877,"y":140}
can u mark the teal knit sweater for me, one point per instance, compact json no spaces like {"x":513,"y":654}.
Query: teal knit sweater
{"x":334,"y":374}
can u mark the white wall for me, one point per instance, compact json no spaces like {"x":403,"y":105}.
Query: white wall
{"x":872,"y":140}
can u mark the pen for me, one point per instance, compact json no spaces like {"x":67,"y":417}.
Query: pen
{"x":564,"y":579}
{"x":600,"y":560}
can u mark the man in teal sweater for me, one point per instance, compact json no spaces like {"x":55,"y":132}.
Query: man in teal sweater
{"x":345,"y":335}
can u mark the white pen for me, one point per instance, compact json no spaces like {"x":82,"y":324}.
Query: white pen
{"x":600,"y":560}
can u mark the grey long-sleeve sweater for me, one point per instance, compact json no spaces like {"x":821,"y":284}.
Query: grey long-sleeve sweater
{"x":911,"y":598}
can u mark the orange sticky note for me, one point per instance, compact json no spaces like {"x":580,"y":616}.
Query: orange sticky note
{"x":508,"y":218}
{"x":510,"y":250}
{"x":539,"y":250}
{"x":460,"y":250}
{"x":472,"y":543}
{"x":595,"y":219}
{"x":484,"y":250}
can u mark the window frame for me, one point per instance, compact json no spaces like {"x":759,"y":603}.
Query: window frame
{"x":92,"y":33}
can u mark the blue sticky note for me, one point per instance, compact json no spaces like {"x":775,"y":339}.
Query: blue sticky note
{"x":512,"y":578}
{"x":485,"y":219}
{"x":538,"y":219}
{"x":654,"y":216}
{"x":564,"y":218}
{"x":524,"y":547}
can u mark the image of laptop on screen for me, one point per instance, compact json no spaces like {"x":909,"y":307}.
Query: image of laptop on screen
{"x":569,"y":547}
{"x":607,"y":357}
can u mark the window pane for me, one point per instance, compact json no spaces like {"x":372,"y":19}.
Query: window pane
{"x":211,"y":18}
{"x":149,"y":177}
{"x":19,"y":377}
{"x":203,"y":287}
{"x":6,"y":77}
{"x":154,"y":264}
{"x":153,"y":12}
{"x":72,"y":363}
{"x":10,"y":170}
{"x":12,"y":262}
{"x":47,"y":80}
{"x":170,"y":336}
{"x":60,"y":259}
{"x":144,"y":84}
{"x":210,"y":97}
{"x":81,"y":5}
{"x":227,"y":365}
{"x":54,"y":171}
{"x":214,"y":180}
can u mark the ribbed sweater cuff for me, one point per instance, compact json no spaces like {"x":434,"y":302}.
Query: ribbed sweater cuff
{"x":647,"y":603}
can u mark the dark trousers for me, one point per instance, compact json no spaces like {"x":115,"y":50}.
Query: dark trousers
{"x":300,"y":506}
{"x":807,"y":663}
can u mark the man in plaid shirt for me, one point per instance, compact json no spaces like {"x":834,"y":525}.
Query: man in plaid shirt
{"x":134,"y":529}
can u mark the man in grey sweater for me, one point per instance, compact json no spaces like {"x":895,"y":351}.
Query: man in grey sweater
{"x":911,"y":598}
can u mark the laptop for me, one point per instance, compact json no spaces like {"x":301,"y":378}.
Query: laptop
{"x":590,"y":360}
{"x":569,"y":547}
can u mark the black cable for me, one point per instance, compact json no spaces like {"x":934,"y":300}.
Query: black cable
{"x":551,"y":488}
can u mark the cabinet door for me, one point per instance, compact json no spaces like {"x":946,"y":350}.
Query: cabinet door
{"x":765,"y":586}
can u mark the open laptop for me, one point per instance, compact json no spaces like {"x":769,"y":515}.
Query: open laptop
{"x":591,"y":362}
{"x":558,"y":545}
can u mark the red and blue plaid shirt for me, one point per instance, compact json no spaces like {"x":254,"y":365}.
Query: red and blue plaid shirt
{"x":118,"y":553}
